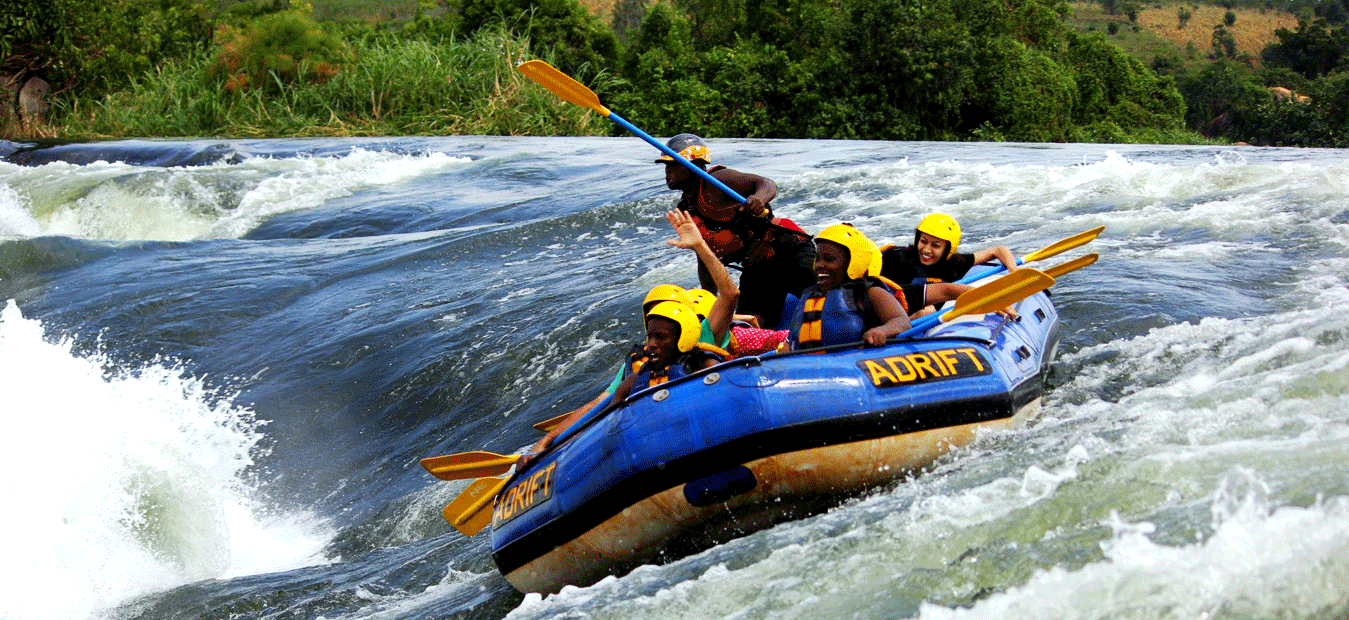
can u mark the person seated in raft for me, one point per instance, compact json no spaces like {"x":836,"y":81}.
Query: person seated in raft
{"x":714,"y":327}
{"x":933,"y":256}
{"x":672,"y":351}
{"x":719,"y":310}
{"x":845,"y":304}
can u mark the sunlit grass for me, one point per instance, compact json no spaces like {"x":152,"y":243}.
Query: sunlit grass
{"x":395,"y":88}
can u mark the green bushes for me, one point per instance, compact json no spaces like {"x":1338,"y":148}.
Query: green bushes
{"x":858,"y":69}
{"x":396,"y":88}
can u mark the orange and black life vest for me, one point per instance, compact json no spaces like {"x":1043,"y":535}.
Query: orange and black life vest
{"x":733,"y":235}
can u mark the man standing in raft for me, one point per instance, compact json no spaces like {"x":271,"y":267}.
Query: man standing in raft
{"x":774,"y":254}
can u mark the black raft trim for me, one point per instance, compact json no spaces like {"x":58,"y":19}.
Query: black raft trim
{"x":871,"y":425}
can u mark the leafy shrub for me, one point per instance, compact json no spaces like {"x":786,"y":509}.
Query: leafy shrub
{"x":276,"y":50}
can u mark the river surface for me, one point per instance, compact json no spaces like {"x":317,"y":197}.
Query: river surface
{"x":220,"y":362}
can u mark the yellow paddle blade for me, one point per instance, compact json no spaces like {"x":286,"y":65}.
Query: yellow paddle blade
{"x":562,"y":85}
{"x":547,"y":425}
{"x":472,"y":510}
{"x":1072,"y":265}
{"x":1063,"y":245}
{"x":468,"y":465}
{"x":1000,"y":293}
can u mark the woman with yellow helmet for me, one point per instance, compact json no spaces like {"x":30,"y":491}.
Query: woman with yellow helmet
{"x":933,"y":256}
{"x":846,"y":304}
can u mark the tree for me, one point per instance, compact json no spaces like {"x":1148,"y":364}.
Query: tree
{"x":93,"y":46}
{"x":1312,"y":50}
{"x":579,"y":42}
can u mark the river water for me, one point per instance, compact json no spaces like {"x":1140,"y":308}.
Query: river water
{"x":220,"y":362}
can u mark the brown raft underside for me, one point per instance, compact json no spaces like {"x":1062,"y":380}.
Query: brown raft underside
{"x":787,"y":486}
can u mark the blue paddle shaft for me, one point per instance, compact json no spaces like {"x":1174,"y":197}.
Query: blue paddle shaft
{"x":677,"y":157}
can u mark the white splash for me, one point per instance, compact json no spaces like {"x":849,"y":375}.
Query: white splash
{"x":124,"y":483}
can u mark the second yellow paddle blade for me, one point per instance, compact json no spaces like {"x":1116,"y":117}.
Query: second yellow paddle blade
{"x":472,"y":510}
{"x":1000,"y":293}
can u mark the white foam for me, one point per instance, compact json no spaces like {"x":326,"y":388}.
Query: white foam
{"x":123,"y":202}
{"x":121,"y":483}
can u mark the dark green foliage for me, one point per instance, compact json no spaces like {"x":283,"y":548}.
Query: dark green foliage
{"x":1023,"y":93}
{"x":743,"y":90}
{"x":887,"y":69}
{"x":579,"y":42}
{"x":864,"y":69}
{"x":95,"y":45}
{"x":1313,"y":50}
{"x":1222,"y":88}
{"x":1116,"y":89}
{"x":628,"y":15}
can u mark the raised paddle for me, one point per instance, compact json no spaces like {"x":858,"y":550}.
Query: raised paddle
{"x":990,"y":297}
{"x":1053,"y":249}
{"x":471,"y":511}
{"x":1072,"y":265}
{"x":575,"y":92}
{"x":467,"y":465}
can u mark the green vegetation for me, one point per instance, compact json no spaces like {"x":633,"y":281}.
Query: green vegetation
{"x":860,"y":69}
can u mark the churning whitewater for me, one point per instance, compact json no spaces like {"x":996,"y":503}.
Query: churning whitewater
{"x":220,"y":362}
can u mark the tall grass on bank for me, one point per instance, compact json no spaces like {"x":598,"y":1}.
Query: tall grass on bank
{"x":396,"y":87}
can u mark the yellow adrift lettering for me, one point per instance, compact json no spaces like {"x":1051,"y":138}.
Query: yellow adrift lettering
{"x":504,"y":511}
{"x":879,"y":372}
{"x":973,"y":358}
{"x":548,"y":481}
{"x":532,"y":491}
{"x":921,"y":363}
{"x":901,"y":376}
{"x":948,"y":356}
{"x":923,"y":366}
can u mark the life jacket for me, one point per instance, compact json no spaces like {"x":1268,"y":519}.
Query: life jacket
{"x":733,"y":235}
{"x":839,"y":316}
{"x":650,"y":374}
{"x":897,"y":291}
{"x":636,"y":359}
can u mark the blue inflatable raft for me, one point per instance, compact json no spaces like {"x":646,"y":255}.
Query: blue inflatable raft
{"x":756,"y":441}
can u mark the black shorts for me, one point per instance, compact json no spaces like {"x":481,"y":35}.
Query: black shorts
{"x":764,"y":286}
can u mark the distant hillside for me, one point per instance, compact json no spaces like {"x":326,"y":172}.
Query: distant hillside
{"x":1161,"y":33}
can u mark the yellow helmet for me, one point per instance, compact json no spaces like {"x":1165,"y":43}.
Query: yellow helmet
{"x":689,"y":147}
{"x":860,"y":248}
{"x":689,"y":325}
{"x":941,"y":226}
{"x":666,"y":292}
{"x":701,"y":301}
{"x":874,"y":268}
